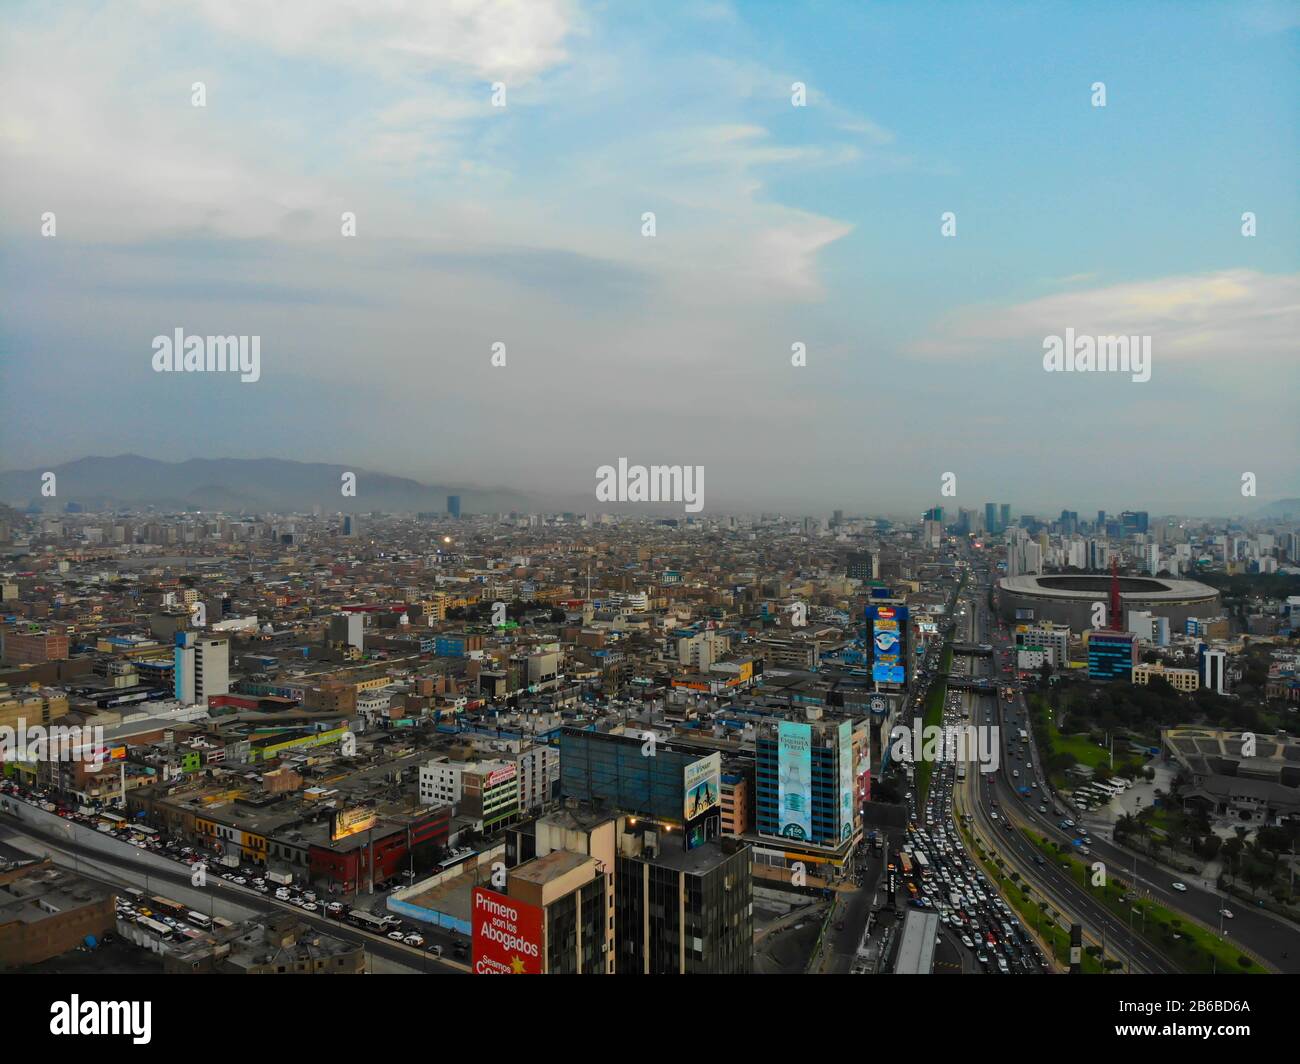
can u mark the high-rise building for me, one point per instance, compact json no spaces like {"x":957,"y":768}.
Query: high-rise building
{"x":202,"y":668}
{"x":1133,"y":521}
{"x":1111,"y":655}
{"x":864,"y":566}
{"x":682,"y":910}
{"x":453,"y":506}
{"x":1213,"y":669}
{"x":348,"y":629}
{"x":805,"y":779}
{"x":990,"y":518}
{"x":1004,"y":517}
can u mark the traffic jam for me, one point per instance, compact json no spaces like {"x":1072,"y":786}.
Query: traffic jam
{"x":936,"y":873}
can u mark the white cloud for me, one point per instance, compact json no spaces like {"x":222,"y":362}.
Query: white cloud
{"x":1191,"y":319}
{"x":508,"y":40}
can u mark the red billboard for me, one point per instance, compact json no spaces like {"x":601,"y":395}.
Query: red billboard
{"x":507,"y":935}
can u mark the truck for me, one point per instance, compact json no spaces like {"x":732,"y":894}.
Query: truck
{"x":230,"y":860}
{"x":284,"y":879}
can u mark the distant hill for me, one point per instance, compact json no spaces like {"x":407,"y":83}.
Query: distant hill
{"x":1280,"y":508}
{"x":241,"y":485}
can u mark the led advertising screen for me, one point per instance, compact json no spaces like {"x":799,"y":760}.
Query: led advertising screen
{"x":794,"y":779}
{"x":846,"y":779}
{"x":507,"y":935}
{"x":888,"y":631}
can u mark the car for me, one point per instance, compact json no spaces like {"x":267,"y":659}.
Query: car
{"x":967,"y":942}
{"x":414,"y":940}
{"x":1180,"y":887}
{"x":1042,"y":809}
{"x":310,"y":906}
{"x":436,"y":950}
{"x":1226,"y":914}
{"x":396,"y":936}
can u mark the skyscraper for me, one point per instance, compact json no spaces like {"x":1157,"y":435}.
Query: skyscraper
{"x":990,"y":518}
{"x":453,"y":506}
{"x":1004,"y":517}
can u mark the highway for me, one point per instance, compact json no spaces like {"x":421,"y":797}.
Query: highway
{"x":1275,"y":941}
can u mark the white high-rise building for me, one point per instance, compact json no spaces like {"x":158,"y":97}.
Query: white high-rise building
{"x":202,"y":668}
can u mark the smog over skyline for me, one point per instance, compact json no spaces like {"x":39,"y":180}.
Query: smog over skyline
{"x":507,"y":246}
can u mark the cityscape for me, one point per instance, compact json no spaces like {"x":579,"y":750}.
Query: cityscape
{"x":365,"y":606}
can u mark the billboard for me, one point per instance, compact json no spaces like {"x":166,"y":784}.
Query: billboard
{"x":888,"y":643}
{"x":702,"y":812}
{"x":507,"y":935}
{"x":846,"y":779}
{"x":345,"y":822}
{"x":794,"y":780}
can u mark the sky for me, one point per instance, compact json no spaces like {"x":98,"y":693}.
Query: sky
{"x":774,"y":225}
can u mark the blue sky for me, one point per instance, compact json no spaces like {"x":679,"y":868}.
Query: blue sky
{"x":775,"y":225}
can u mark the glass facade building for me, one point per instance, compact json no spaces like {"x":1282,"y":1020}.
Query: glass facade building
{"x":1111,"y":655}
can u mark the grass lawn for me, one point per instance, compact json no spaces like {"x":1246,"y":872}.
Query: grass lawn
{"x":934,"y":701}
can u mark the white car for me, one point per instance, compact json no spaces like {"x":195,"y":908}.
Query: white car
{"x":1180,"y":887}
{"x":414,"y":940}
{"x":1226,"y":913}
{"x":310,"y":906}
{"x":396,"y":936}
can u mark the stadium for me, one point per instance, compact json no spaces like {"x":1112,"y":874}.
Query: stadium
{"x":1068,"y":598}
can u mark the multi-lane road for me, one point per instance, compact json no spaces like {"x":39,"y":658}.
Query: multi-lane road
{"x":1269,"y":938}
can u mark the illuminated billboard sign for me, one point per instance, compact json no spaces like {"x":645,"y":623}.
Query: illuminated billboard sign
{"x":794,"y":779}
{"x":888,"y":643}
{"x":345,"y":822}
{"x":702,"y":814}
{"x":846,"y":779}
{"x":507,"y":935}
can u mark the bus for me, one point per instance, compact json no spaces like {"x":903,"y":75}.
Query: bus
{"x":156,"y":926}
{"x":1024,"y":736}
{"x":922,"y":862}
{"x":961,"y":771}
{"x":379,"y":925}
{"x":144,"y":829}
{"x":198,"y":920}
{"x":112,"y":818}
{"x":166,"y":906}
{"x":905,"y":863}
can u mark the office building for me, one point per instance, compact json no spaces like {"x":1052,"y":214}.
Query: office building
{"x":805,"y":782}
{"x":1213,"y":669}
{"x":1185,"y":680}
{"x":347,"y":629}
{"x":1111,"y":655}
{"x":201,"y":668}
{"x":864,"y":566}
{"x":453,"y":506}
{"x":681,"y":910}
{"x":486,"y":792}
{"x":643,"y":775}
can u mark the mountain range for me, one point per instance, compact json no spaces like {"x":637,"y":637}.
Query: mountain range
{"x":236,"y":485}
